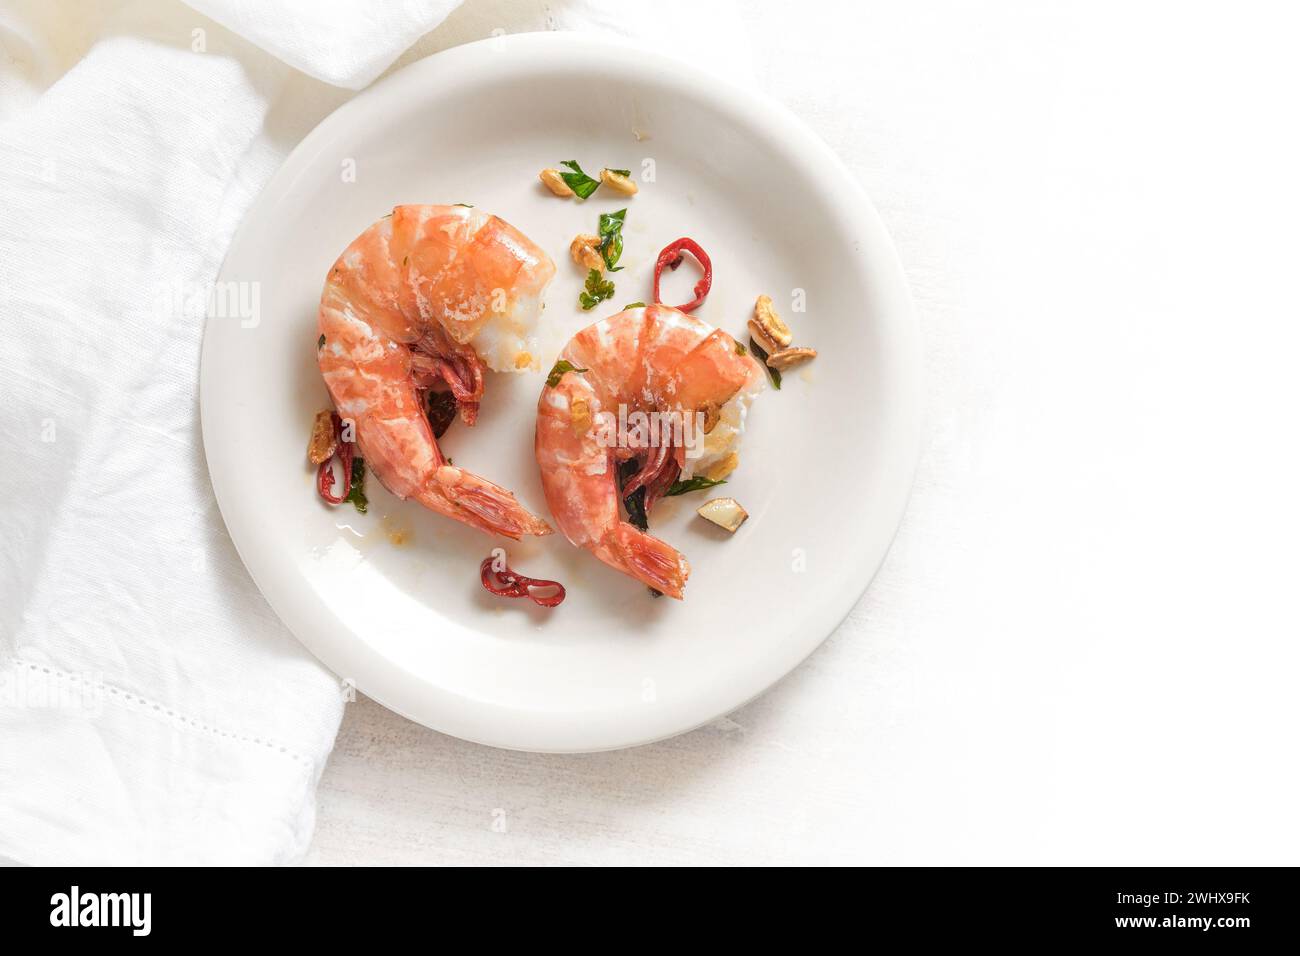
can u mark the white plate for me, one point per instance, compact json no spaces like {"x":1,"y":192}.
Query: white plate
{"x":826,"y":464}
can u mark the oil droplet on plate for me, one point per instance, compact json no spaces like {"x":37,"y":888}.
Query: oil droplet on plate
{"x":398,"y":534}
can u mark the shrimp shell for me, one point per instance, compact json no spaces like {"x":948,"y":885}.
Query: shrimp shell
{"x":644,"y":359}
{"x":428,"y":298}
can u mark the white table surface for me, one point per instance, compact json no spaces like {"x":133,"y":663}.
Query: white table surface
{"x":1083,"y":645}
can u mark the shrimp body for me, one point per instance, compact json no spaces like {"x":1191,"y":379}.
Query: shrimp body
{"x":428,"y":298}
{"x":643,"y":360}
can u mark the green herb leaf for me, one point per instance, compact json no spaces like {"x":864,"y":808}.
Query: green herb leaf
{"x":634,"y":305}
{"x":611,"y":238}
{"x":582,"y":184}
{"x":558,"y":370}
{"x":598,"y":290}
{"x":441,"y":411}
{"x":467,"y":205}
{"x":762,"y":358}
{"x":741,"y":350}
{"x":358,"y":493}
{"x":698,"y":483}
{"x":634,"y":503}
{"x":320,"y":343}
{"x":621,"y":172}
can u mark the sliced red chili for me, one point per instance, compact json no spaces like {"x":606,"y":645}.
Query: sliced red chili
{"x":344,"y":451}
{"x":508,"y":583}
{"x":671,"y":258}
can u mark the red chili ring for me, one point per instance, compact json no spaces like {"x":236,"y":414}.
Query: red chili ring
{"x":508,"y":583}
{"x":344,"y":452}
{"x":671,"y":257}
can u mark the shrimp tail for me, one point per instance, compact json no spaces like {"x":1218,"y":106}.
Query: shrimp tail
{"x":653,"y":562}
{"x":478,"y":502}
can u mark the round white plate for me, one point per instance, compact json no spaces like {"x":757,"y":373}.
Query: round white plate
{"x":826,"y":463}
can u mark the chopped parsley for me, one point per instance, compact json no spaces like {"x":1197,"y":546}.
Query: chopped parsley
{"x":558,"y":370}
{"x":611,"y":239}
{"x":634,"y":305}
{"x":598,"y":290}
{"x":358,"y":493}
{"x":762,"y":358}
{"x":698,"y":483}
{"x":634,"y":503}
{"x":581,"y":184}
{"x":441,"y":411}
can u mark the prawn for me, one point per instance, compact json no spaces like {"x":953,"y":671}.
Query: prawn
{"x":427,"y":299}
{"x":645,"y":359}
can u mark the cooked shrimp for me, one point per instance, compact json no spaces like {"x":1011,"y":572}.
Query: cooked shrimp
{"x":652,"y":359}
{"x":427,"y":298}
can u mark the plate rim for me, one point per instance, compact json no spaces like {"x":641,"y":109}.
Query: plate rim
{"x":906,"y":407}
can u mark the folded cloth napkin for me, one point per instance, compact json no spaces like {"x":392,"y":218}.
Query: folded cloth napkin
{"x":152,"y":708}
{"x":339,"y":41}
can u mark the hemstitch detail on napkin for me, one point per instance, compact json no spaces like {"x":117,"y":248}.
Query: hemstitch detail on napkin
{"x":12,"y":695}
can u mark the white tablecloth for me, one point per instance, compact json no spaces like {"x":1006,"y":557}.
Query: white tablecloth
{"x":152,"y":709}
{"x":1083,"y":646}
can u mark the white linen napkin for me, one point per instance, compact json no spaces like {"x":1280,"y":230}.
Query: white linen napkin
{"x":339,"y":41}
{"x":152,"y":708}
